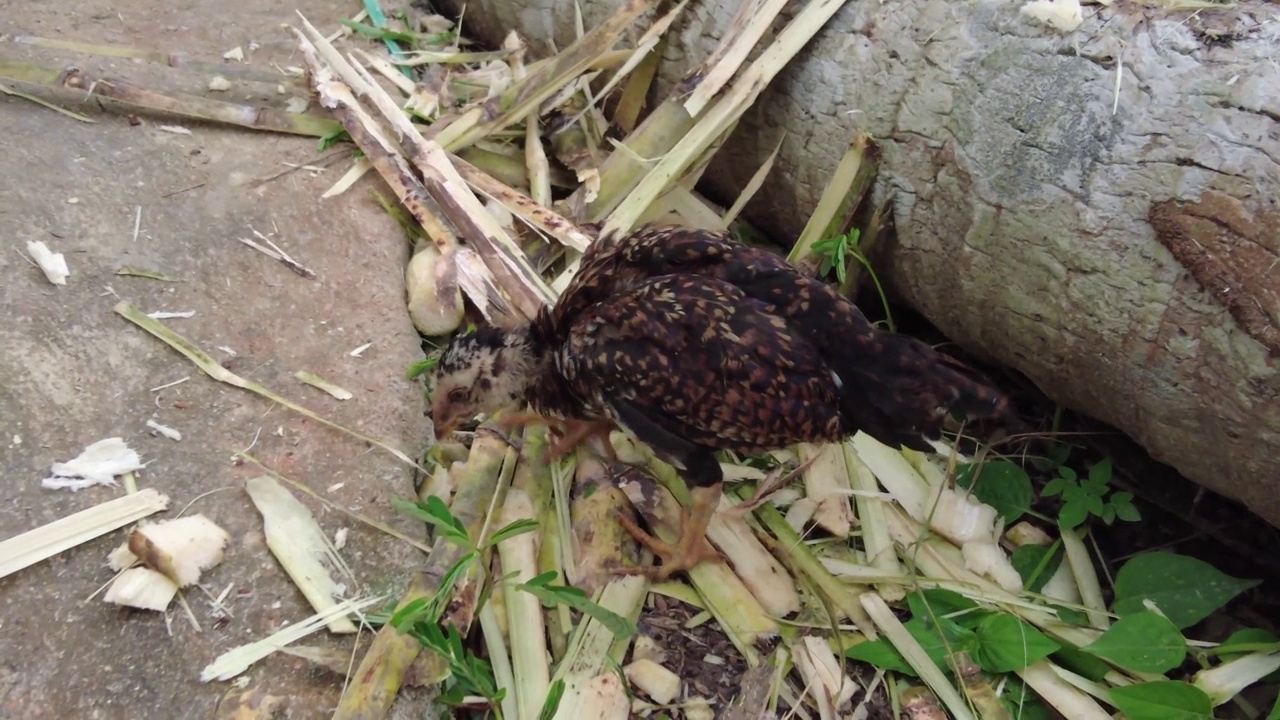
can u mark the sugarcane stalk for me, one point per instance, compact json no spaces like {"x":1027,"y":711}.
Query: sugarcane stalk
{"x":915,"y":655}
{"x":876,"y":541}
{"x":533,"y":477}
{"x":1077,"y":556}
{"x":759,"y":570}
{"x":753,"y":185}
{"x":503,"y":674}
{"x":519,"y":557}
{"x":503,"y":257}
{"x":602,"y":545}
{"x":593,"y":648}
{"x":377,"y":680}
{"x":85,"y":86}
{"x":826,"y":481}
{"x":790,"y":548}
{"x":834,"y":213}
{"x":543,"y":81}
{"x":173,"y":60}
{"x":722,"y":113}
{"x":532,"y":212}
{"x":674,"y":117}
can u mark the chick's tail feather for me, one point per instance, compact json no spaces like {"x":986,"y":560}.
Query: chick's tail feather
{"x":899,"y":390}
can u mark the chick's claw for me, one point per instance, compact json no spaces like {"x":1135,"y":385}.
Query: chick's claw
{"x":691,"y":550}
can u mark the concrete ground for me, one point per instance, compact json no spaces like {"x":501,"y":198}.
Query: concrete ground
{"x":73,"y":372}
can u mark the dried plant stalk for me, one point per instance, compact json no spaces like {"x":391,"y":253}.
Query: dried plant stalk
{"x":723,"y":112}
{"x":544,"y":80}
{"x":32,"y":78}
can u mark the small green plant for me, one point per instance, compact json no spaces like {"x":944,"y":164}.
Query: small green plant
{"x":468,"y":675}
{"x":553,"y":595}
{"x":418,"y":368}
{"x":1158,"y":595}
{"x":471,"y":675}
{"x":1082,"y":498}
{"x":379,"y":33}
{"x":835,"y":252}
{"x":333,"y":138}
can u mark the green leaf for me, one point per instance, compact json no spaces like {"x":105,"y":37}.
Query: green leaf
{"x":1081,"y":663}
{"x":378,"y":33}
{"x":1185,"y":589}
{"x":517,"y":527}
{"x":454,"y":696}
{"x":435,"y":605}
{"x":882,"y":655}
{"x":1123,"y":504}
{"x":1099,"y":476}
{"x":1143,"y":642}
{"x":1021,"y":702}
{"x":409,"y":614}
{"x":1036,"y":565}
{"x":1162,"y":700}
{"x":434,"y":512}
{"x":1108,"y":514}
{"x":1068,"y":473}
{"x":1054,"y":487}
{"x":1243,"y":642}
{"x":1094,"y":503}
{"x":421,"y":367}
{"x":333,"y":138}
{"x":1072,"y":616}
{"x":1007,"y":644}
{"x":942,"y":638}
{"x":944,"y":603}
{"x":1001,"y":484}
{"x":1072,"y":514}
{"x":551,"y":595}
{"x":552,"y":703}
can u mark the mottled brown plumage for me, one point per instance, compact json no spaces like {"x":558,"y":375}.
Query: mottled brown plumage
{"x":695,"y":344}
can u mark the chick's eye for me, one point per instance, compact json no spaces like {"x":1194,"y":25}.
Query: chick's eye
{"x":457,"y":395}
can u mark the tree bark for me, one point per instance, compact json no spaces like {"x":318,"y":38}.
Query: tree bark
{"x":1097,"y":209}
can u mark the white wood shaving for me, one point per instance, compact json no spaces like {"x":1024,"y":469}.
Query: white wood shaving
{"x":53,"y":264}
{"x":1064,"y":15}
{"x":99,"y":464}
{"x":164,"y":430}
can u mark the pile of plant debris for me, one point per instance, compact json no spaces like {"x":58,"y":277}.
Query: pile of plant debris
{"x":880,"y":582}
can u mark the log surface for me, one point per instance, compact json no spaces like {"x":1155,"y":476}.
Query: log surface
{"x":1096,"y":209}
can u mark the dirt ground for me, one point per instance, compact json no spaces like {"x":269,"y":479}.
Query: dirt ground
{"x":73,"y":372}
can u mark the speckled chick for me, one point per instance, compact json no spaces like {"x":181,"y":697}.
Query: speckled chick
{"x":695,"y":343}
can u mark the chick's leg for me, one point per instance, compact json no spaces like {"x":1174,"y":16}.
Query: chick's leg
{"x":575,"y":432}
{"x":691,"y":548}
{"x":511,"y":421}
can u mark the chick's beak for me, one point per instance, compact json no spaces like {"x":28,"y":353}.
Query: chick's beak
{"x":444,"y":419}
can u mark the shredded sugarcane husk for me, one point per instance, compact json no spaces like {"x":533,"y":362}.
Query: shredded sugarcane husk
{"x":48,"y":540}
{"x":180,"y":549}
{"x":235,"y":661}
{"x":302,"y":548}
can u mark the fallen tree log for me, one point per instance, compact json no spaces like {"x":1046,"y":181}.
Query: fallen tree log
{"x":1095,"y":208}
